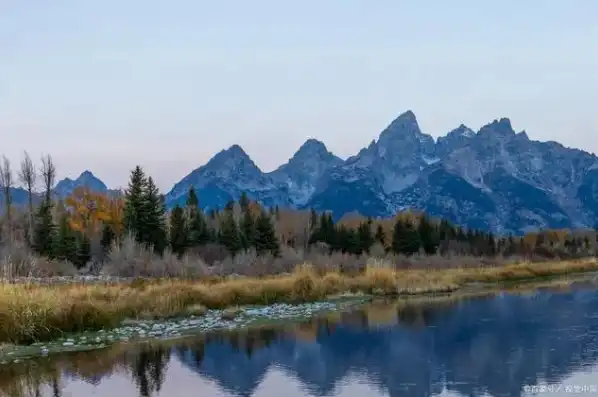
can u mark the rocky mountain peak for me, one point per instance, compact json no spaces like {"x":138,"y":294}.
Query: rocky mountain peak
{"x":498,"y":128}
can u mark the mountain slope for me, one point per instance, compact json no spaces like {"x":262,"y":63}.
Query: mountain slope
{"x":494,"y":178}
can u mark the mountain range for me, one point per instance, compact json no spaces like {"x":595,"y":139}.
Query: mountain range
{"x":493,"y":179}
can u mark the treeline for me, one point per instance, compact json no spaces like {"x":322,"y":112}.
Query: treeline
{"x":86,"y":226}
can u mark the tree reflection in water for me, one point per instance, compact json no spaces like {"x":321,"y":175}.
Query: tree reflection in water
{"x":490,"y":345}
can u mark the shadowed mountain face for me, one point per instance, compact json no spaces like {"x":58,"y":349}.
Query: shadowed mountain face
{"x":494,"y":179}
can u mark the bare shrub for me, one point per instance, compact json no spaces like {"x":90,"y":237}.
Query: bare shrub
{"x":18,"y":261}
{"x":130,"y":259}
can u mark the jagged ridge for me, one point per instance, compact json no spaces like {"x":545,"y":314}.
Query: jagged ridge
{"x":494,"y":178}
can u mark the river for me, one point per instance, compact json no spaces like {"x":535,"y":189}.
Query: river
{"x":510,"y":344}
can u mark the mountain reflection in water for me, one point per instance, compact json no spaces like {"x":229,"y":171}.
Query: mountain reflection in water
{"x":494,"y":346}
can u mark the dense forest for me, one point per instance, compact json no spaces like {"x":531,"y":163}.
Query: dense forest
{"x":85,"y":227}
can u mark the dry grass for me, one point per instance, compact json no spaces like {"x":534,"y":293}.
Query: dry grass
{"x":33,"y":312}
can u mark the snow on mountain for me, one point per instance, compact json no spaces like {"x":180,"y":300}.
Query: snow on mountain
{"x":494,"y":178}
{"x":301,"y":173}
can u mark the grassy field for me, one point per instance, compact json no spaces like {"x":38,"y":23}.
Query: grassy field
{"x":31,"y":312}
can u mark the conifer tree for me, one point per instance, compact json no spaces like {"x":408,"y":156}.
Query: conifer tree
{"x":265,"y":236}
{"x":364,"y":237}
{"x":380,"y":236}
{"x":229,"y":233}
{"x":83,"y":251}
{"x":244,"y":202}
{"x":107,"y":237}
{"x":153,"y":225}
{"x":192,"y":199}
{"x":66,"y":241}
{"x":248,"y":230}
{"x":199,"y":234}
{"x":405,"y":239}
{"x":44,"y":234}
{"x":134,"y":214}
{"x":428,"y":236}
{"x":179,"y":234}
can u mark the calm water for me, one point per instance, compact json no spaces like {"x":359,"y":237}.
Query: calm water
{"x":507,"y":345}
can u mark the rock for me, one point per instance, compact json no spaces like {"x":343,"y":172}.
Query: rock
{"x":196,"y":310}
{"x":231,"y":313}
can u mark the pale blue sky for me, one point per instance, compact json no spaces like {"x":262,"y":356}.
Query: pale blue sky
{"x":104,"y":85}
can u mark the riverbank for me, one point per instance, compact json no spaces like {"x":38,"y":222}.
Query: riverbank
{"x":31,"y":313}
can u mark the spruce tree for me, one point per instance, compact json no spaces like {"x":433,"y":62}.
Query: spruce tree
{"x":427,"y":235}
{"x":248,"y":230}
{"x":83,"y":250}
{"x":44,"y":234}
{"x":229,"y":233}
{"x":179,"y":234}
{"x":380,"y":236}
{"x":405,"y":239}
{"x":192,"y":199}
{"x":364,"y":237}
{"x":134,"y":214}
{"x":244,"y":202}
{"x":66,"y":241}
{"x":153,"y":226}
{"x":265,"y":236}
{"x":107,"y":238}
{"x":199,"y":234}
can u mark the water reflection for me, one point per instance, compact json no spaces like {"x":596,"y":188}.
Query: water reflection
{"x":485,"y":346}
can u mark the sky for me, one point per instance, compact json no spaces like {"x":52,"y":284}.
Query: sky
{"x":106,"y":85}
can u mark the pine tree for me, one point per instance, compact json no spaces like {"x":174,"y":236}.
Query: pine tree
{"x":244,"y":202}
{"x":199,"y":234}
{"x":44,"y":234}
{"x":107,"y":238}
{"x":428,"y":236}
{"x":248,"y":230}
{"x":192,"y":199}
{"x":179,"y":234}
{"x":405,"y":239}
{"x":66,"y":241}
{"x":134,"y":214}
{"x":265,"y":236}
{"x":313,"y":220}
{"x":380,"y":236}
{"x":229,"y":233}
{"x":364,"y":238}
{"x":153,"y":225}
{"x":83,"y":251}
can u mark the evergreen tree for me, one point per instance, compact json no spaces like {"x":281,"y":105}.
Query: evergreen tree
{"x":153,"y":225}
{"x":313,"y":220}
{"x":83,"y":250}
{"x":248,"y":230}
{"x":364,"y":237}
{"x":107,"y":238}
{"x":66,"y":241}
{"x":244,"y":202}
{"x":428,"y":236}
{"x":134,"y":214}
{"x":179,"y":234}
{"x":198,"y":229}
{"x":229,"y":233}
{"x":380,"y":236}
{"x":405,"y":239}
{"x":192,"y":199}
{"x":265,"y":236}
{"x":44,"y":234}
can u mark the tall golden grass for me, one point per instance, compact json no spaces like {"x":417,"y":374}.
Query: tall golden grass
{"x":32,"y":312}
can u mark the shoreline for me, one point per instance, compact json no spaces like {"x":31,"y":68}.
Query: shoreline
{"x":32,"y":313}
